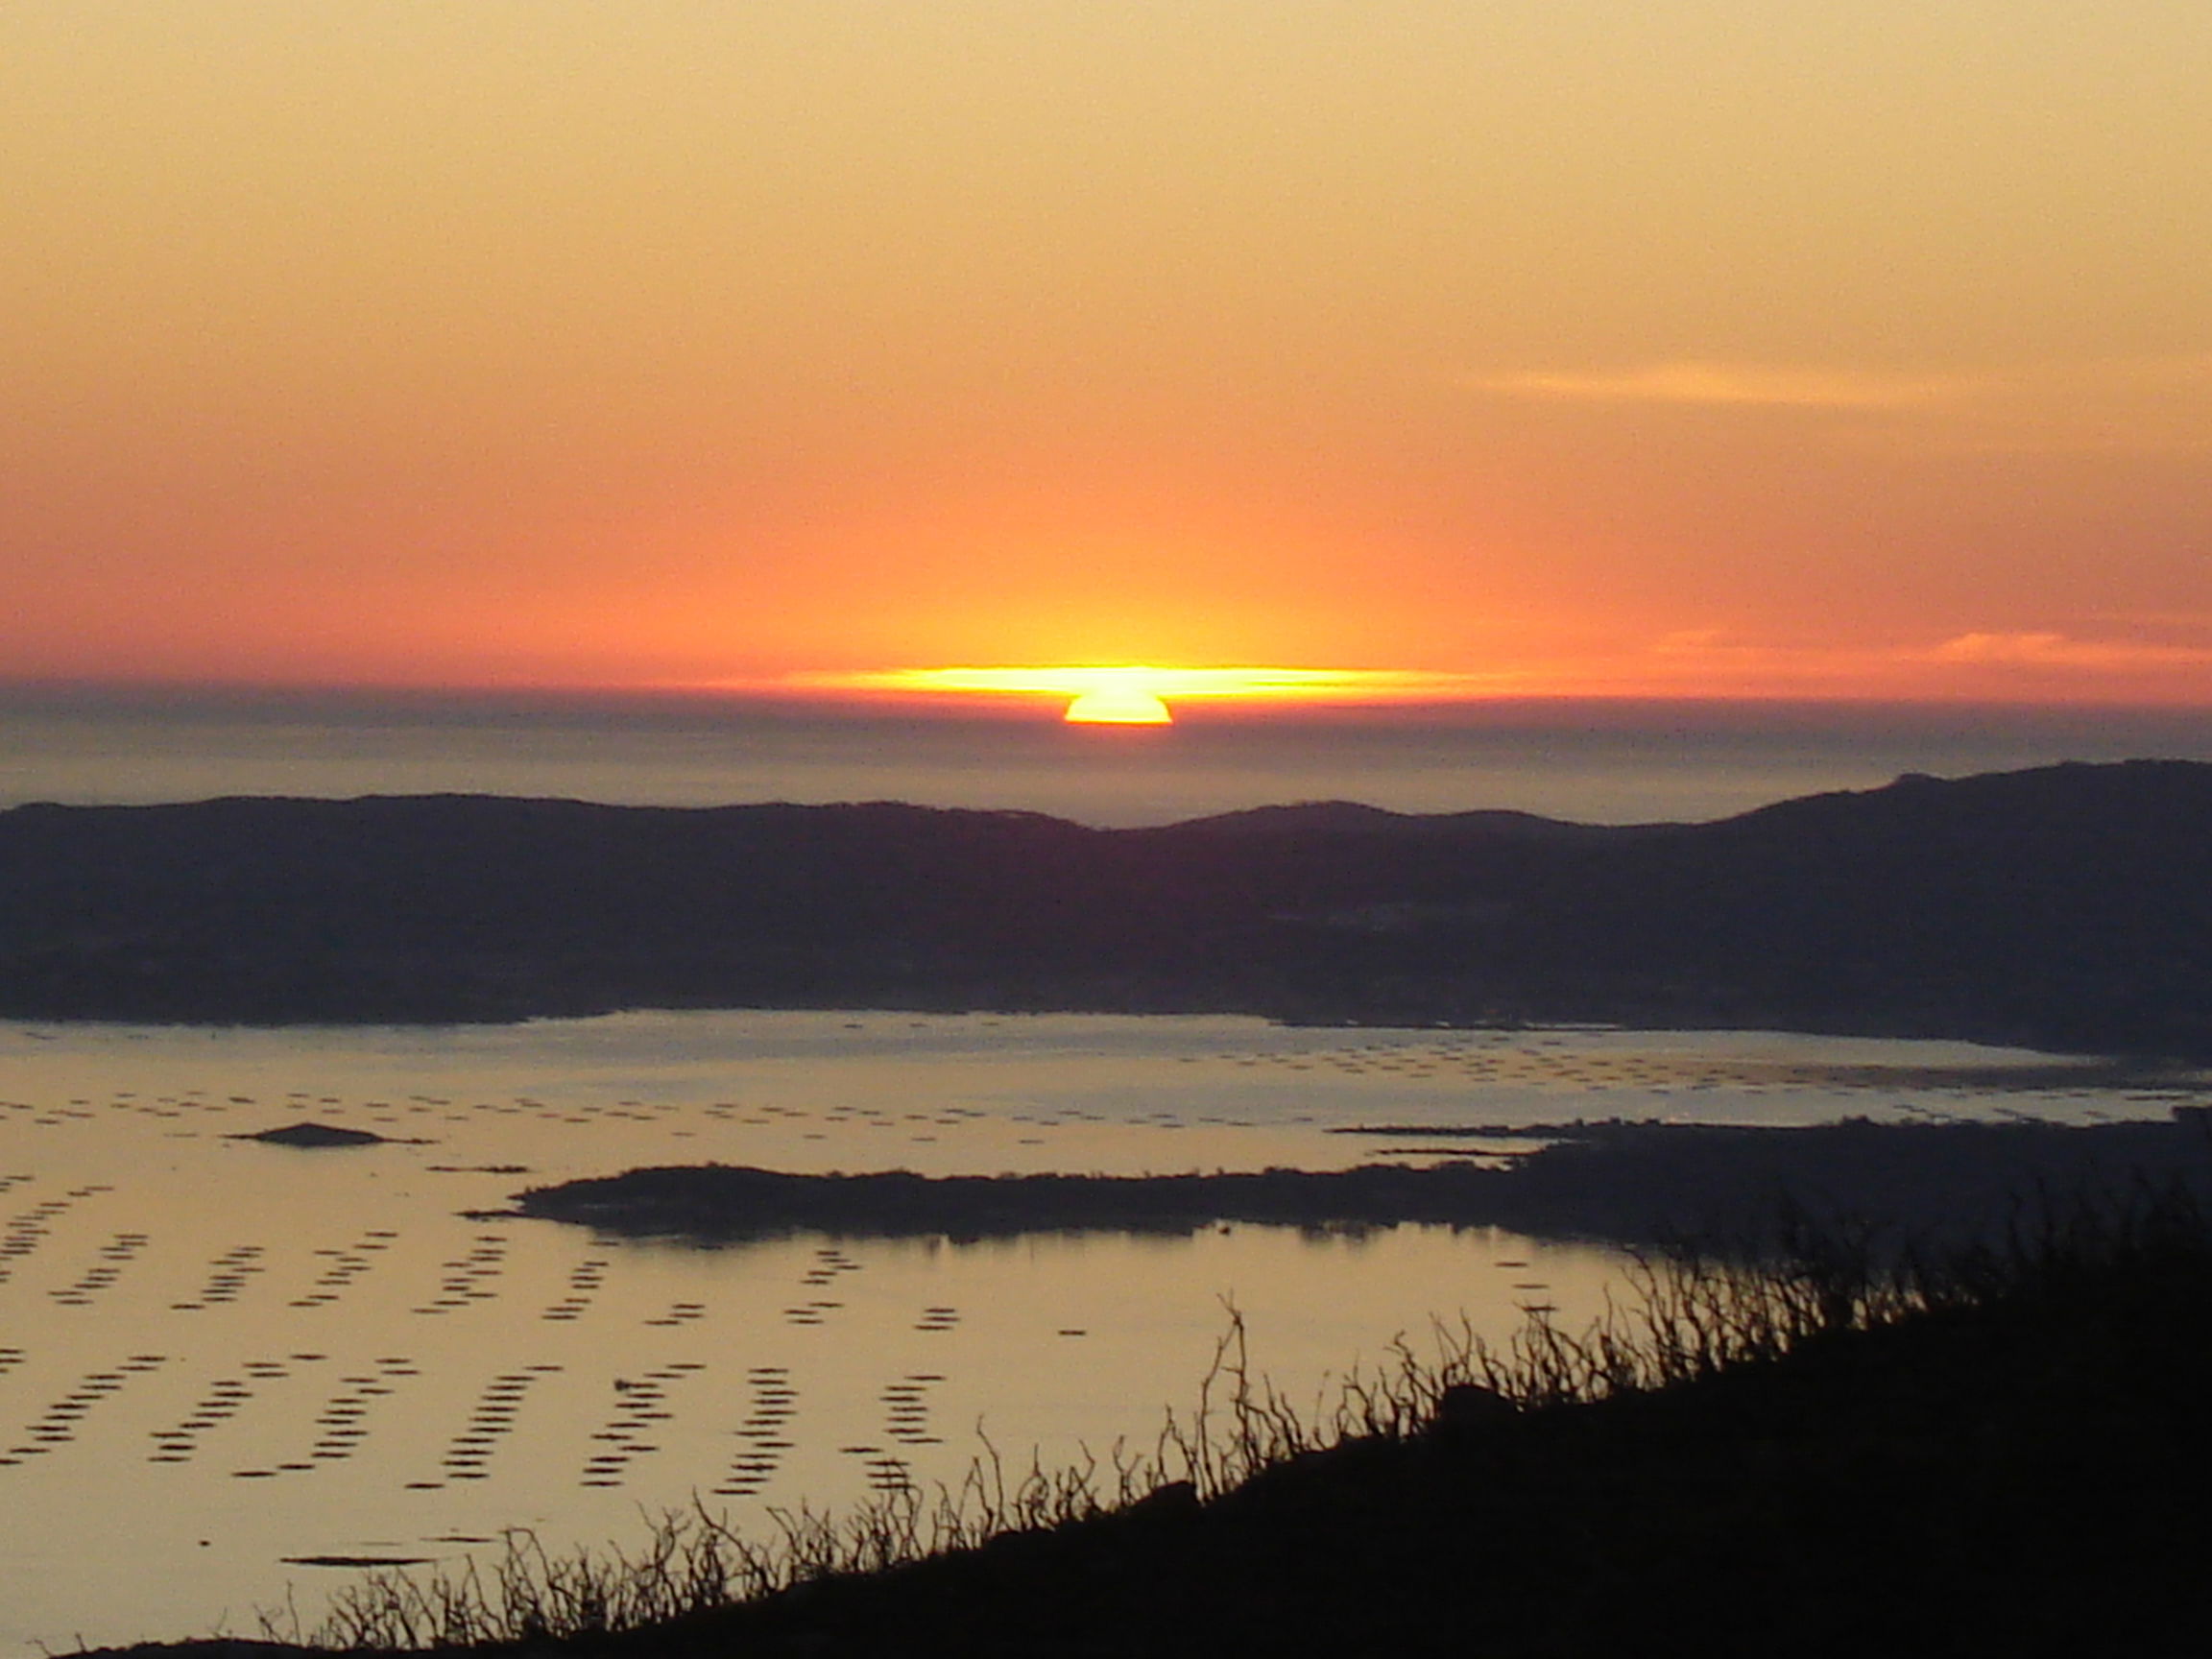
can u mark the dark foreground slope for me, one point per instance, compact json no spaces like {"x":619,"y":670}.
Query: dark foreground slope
{"x":2025,"y":1480}
{"x":2069,"y":907}
{"x":2019,"y":1473}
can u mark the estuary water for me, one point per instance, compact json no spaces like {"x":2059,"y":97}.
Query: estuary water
{"x":222,"y":1358}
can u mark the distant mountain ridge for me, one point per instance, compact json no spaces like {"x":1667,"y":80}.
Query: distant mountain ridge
{"x":1351,"y":818}
{"x":2068,"y":906}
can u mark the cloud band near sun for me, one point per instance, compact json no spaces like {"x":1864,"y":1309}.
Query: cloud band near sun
{"x":1141,"y":694}
{"x":1700,"y":662}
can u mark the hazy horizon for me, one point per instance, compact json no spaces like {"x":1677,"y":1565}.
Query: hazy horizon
{"x":1590,"y":760}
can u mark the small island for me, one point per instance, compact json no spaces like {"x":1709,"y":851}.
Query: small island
{"x":315,"y":1137}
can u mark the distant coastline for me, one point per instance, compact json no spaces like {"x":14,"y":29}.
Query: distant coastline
{"x":2067,"y":908}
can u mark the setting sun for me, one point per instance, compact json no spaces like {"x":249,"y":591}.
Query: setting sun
{"x":1117,"y":705}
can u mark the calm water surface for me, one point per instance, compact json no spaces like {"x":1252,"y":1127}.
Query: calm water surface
{"x":217,"y":1353}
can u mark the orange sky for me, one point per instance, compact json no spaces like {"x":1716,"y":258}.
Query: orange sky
{"x":1725,"y":346}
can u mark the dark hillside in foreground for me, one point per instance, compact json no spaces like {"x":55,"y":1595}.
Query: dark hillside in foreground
{"x":2014,"y":1468}
{"x":2066,"y":907}
{"x":2021,"y":1479}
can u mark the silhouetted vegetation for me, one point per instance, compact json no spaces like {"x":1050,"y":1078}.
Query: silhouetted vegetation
{"x":2068,"y":908}
{"x":1629,"y":1183}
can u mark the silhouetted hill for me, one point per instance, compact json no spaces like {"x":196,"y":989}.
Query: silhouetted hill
{"x":2069,"y":907}
{"x":1351,"y":818}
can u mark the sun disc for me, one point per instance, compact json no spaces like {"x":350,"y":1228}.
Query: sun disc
{"x":1117,"y":705}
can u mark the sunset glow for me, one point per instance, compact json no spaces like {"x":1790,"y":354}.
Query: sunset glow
{"x":1720,"y":350}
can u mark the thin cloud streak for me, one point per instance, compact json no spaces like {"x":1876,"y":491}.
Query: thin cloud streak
{"x":1768,"y":385}
{"x":2050,"y":650}
{"x":1995,"y":662}
{"x":2118,"y":406}
{"x":1704,"y":663}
